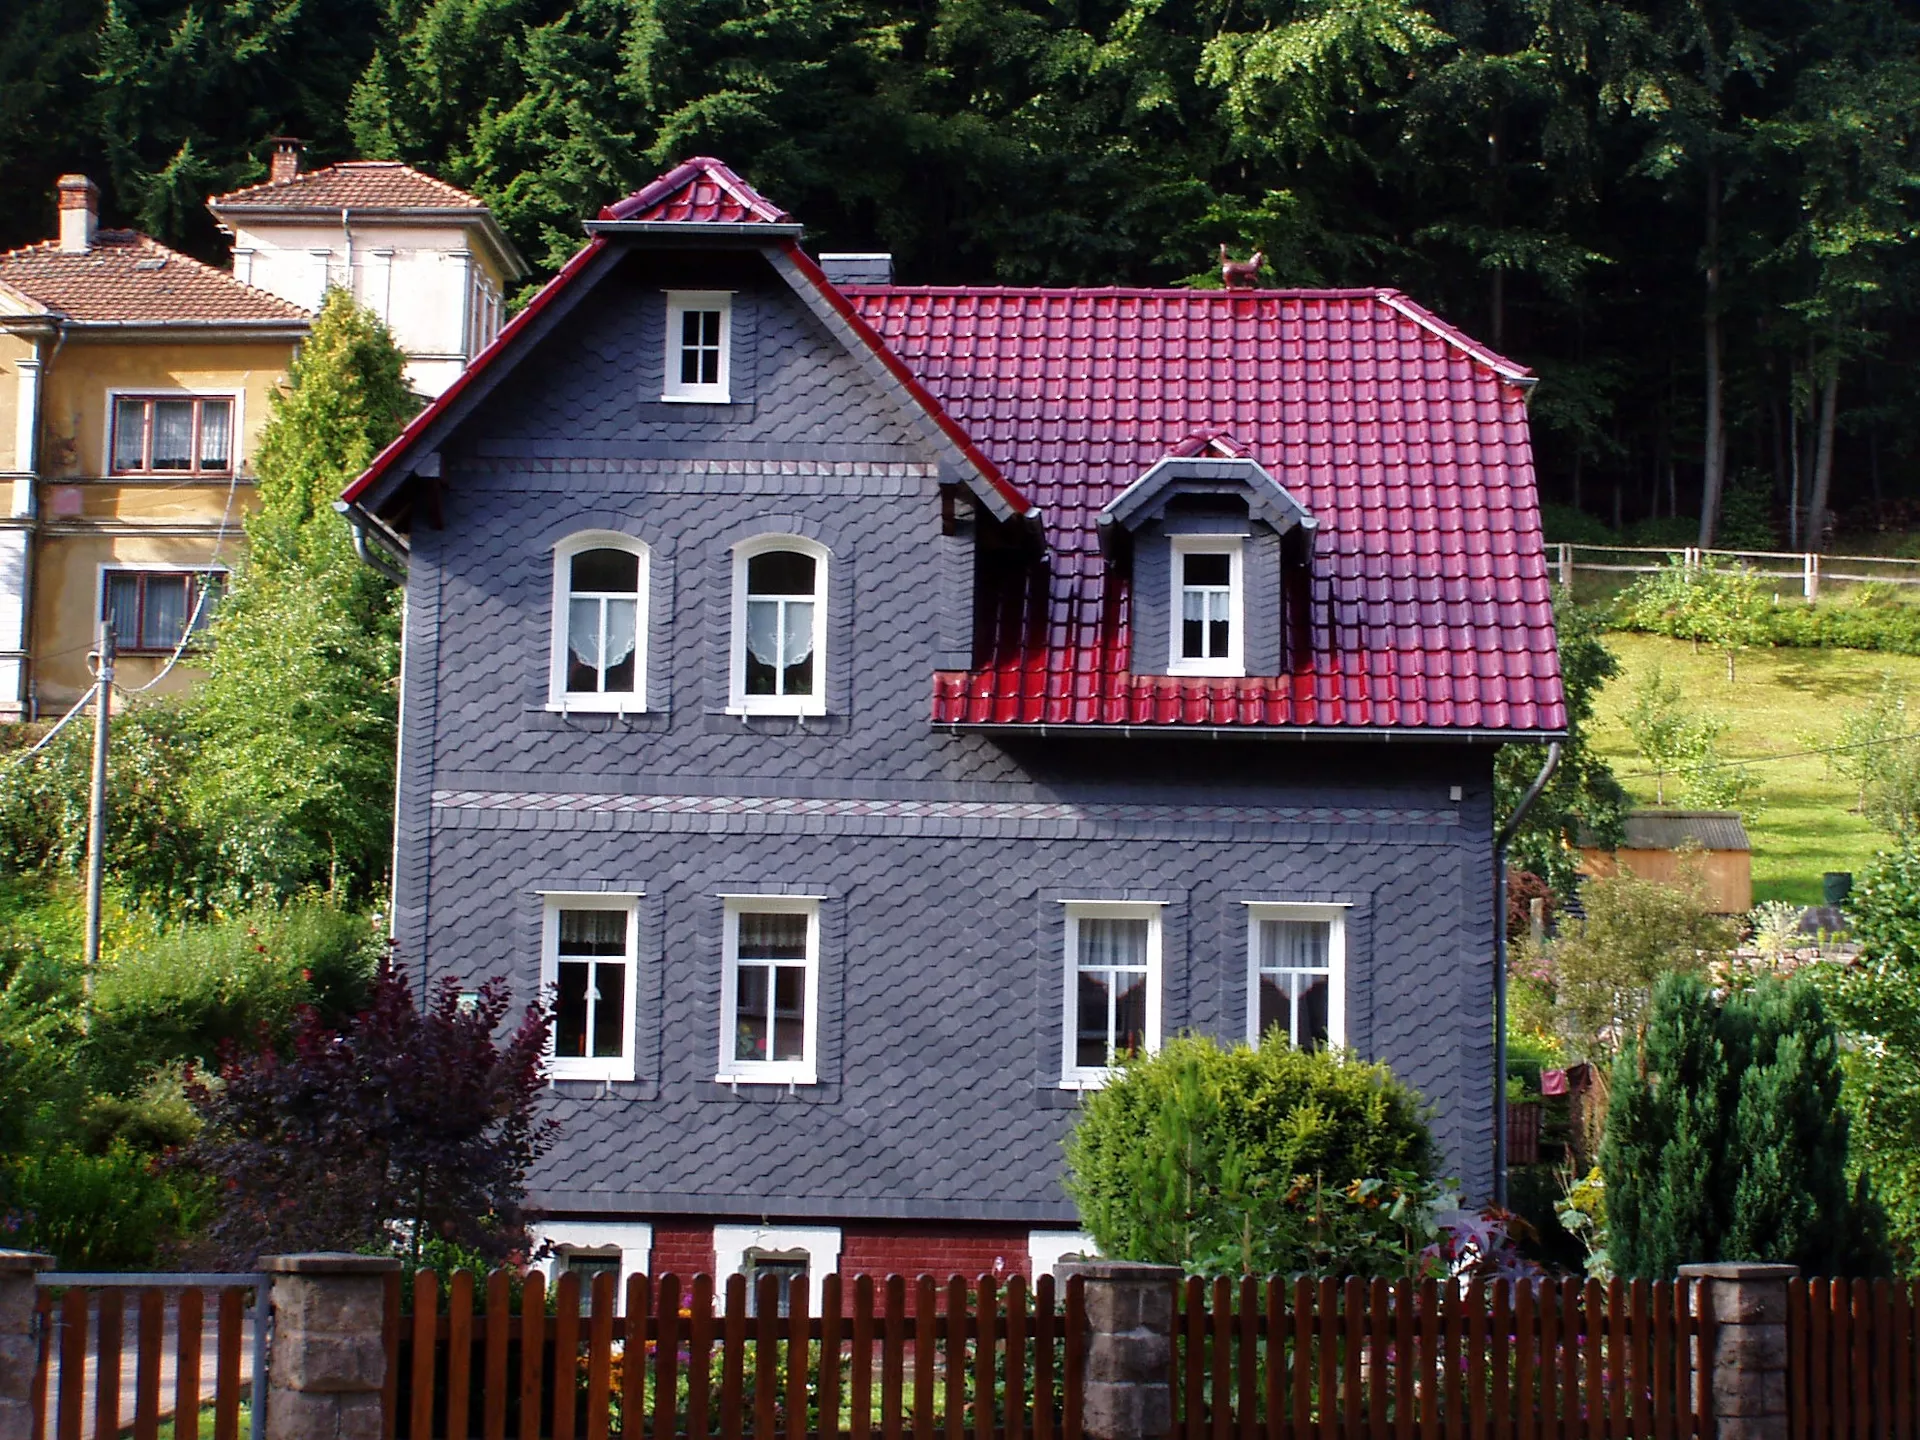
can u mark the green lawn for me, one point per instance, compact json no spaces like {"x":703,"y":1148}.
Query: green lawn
{"x":1807,"y":825}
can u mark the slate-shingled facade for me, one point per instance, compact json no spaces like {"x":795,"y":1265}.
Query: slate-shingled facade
{"x":989,"y":746}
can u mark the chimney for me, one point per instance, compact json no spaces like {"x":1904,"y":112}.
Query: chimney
{"x":79,"y":213}
{"x":286,"y":158}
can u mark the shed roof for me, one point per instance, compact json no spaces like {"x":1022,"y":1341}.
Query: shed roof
{"x":1672,"y":829}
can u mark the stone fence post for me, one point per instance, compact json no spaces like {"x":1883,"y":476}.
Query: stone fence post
{"x":19,"y":1344}
{"x":1748,"y":1362}
{"x":329,"y":1356}
{"x":1129,"y":1340}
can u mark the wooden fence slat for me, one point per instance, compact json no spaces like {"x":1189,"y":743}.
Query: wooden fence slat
{"x":1403,"y":1355}
{"x":566,"y":1354}
{"x":700,"y":1331}
{"x":925,"y":1297}
{"x":1429,"y":1360}
{"x":1191,"y":1327}
{"x":1594,"y":1332}
{"x":106,"y":1390}
{"x":1220,"y":1391}
{"x":1840,"y":1297}
{"x":1524,"y":1353}
{"x":860,"y":1362}
{"x":1861,"y":1317}
{"x":1570,"y":1333}
{"x":832,"y":1324}
{"x":226,"y":1360}
{"x":533,"y":1355}
{"x":1797,"y":1321}
{"x":1045,"y":1328}
{"x":1326,"y":1324}
{"x":1549,"y":1359}
{"x":1639,"y":1350}
{"x":1902,"y":1323}
{"x":1819,"y":1360}
{"x":73,"y":1362}
{"x":986,"y":1313}
{"x":188,"y":1320}
{"x":956,"y":1359}
{"x":1663,"y":1361}
{"x":496,"y":1380}
{"x":459,"y":1353}
{"x":1302,"y":1359}
{"x":799,"y":1366}
{"x":766,"y":1360}
{"x":1247,"y":1360}
{"x":666,"y":1357}
{"x":426,"y":1319}
{"x":733,"y":1351}
{"x":1501,"y":1325}
{"x":1016,"y":1357}
{"x":599,"y":1355}
{"x":1611,"y":1381}
{"x":1476,"y":1367}
{"x":146,"y":1373}
{"x":1276,"y":1360}
{"x":893,"y":1341}
{"x":1882,"y":1362}
{"x":1451,"y":1325}
{"x":1073,"y":1332}
{"x":1379,"y":1367}
{"x":1353,"y":1306}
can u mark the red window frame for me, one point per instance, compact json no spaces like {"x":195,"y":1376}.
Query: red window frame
{"x":197,"y":580}
{"x":195,"y":466}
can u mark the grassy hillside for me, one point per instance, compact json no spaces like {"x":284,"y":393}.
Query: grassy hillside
{"x":1778,"y":698}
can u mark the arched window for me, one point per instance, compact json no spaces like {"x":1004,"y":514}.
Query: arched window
{"x":599,"y":624}
{"x":779,"y":663}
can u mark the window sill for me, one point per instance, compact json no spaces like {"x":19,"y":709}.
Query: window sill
{"x":808,"y":1077}
{"x":1187,"y":669}
{"x":574,"y":707}
{"x":1084,"y":1082}
{"x":716,"y":397}
{"x":620,"y":1076}
{"x":777,"y":712}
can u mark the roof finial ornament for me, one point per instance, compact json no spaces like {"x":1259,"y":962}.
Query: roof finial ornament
{"x":1240,"y":274}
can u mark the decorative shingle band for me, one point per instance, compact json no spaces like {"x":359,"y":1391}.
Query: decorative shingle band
{"x":1039,"y":819}
{"x":651,"y":465}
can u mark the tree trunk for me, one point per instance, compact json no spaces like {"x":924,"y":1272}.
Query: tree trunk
{"x":1793,"y":494}
{"x":1714,"y":456}
{"x":1823,"y":461}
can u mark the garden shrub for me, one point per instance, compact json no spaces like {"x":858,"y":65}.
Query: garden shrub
{"x":118,"y":1210}
{"x":1266,"y":1159}
{"x":1726,"y":1138}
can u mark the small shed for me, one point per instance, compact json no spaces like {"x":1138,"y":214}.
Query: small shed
{"x":1653,"y":842}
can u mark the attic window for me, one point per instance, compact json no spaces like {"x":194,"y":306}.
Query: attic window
{"x":699,"y":346}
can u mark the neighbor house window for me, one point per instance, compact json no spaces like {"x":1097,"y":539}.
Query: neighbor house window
{"x":1112,"y":987}
{"x":587,"y":971}
{"x":1296,"y":956}
{"x":699,"y":345}
{"x":153,"y":610}
{"x":599,"y":624}
{"x":171,"y":435}
{"x":770,"y":986}
{"x":779,"y":627}
{"x":1206,"y":606}
{"x":798,"y":1257}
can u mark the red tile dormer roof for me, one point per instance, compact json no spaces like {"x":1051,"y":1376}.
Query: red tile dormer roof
{"x":127,"y":278}
{"x":371,"y":185}
{"x":700,"y":191}
{"x":1407,"y":441}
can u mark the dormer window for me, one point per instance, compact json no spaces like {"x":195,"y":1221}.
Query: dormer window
{"x":699,"y":346}
{"x":1207,"y":600}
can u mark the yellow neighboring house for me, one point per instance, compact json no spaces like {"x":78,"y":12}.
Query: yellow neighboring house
{"x":134,"y":382}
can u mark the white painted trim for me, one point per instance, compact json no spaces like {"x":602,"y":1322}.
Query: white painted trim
{"x":620,"y":1067}
{"x":632,"y":1238}
{"x":803,"y":1071}
{"x":26,"y":426}
{"x":738,"y":701}
{"x":558,"y":697}
{"x":1074,"y":1076}
{"x":673,"y":388}
{"x":1234,"y":662}
{"x":821,"y":1242}
{"x":1047,"y":1248}
{"x":1336,"y":918}
{"x":169,"y":392}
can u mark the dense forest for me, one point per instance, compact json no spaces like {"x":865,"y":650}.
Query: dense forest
{"x":1696,"y":219}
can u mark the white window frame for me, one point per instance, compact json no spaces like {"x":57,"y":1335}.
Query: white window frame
{"x":734,"y":1071}
{"x":739,"y":702}
{"x":1234,"y":661}
{"x":1336,"y":918}
{"x":559,"y":698}
{"x":576,"y":1067}
{"x":115,"y":394}
{"x":631,"y":1239}
{"x":679,"y":302}
{"x":820,"y":1242}
{"x":1073,"y":1075}
{"x":132,"y":648}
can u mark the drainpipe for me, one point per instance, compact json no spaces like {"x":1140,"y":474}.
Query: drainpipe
{"x":1500,"y":843}
{"x":365,"y":550}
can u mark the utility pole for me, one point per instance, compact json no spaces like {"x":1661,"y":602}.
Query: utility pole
{"x":97,"y":808}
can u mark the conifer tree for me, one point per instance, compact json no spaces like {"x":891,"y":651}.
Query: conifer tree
{"x":298,"y":712}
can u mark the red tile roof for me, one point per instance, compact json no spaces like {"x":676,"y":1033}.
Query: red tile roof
{"x":700,"y":191}
{"x":1407,"y":441}
{"x":130,"y":278}
{"x":352,"y":184}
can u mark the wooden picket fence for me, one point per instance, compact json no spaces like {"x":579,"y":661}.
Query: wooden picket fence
{"x":1853,"y":1359}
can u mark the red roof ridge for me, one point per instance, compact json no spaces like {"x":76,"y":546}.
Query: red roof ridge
{"x":273,"y":189}
{"x":1510,"y":369}
{"x":655,"y":201}
{"x":1130,"y":291}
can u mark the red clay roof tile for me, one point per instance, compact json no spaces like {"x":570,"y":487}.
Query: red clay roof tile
{"x":700,"y":191}
{"x":352,"y":184}
{"x":131,"y":278}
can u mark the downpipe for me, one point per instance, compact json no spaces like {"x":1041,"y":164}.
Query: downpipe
{"x":365,"y":550}
{"x":1500,"y":843}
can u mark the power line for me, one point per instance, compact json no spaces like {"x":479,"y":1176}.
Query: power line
{"x":1784,"y":755}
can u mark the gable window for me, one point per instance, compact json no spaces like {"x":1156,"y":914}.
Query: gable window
{"x":172,"y":434}
{"x":779,"y":628}
{"x":1207,"y":606}
{"x":1112,"y":987}
{"x":600,"y":624}
{"x":152,"y":610}
{"x":699,"y":345}
{"x":1296,"y":985}
{"x":770,"y":986}
{"x":587,"y":970}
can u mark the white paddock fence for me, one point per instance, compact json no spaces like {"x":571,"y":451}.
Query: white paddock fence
{"x":1806,"y":569}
